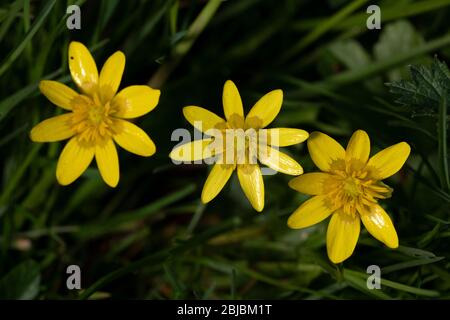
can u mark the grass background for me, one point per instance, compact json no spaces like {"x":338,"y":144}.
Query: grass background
{"x":151,"y":238}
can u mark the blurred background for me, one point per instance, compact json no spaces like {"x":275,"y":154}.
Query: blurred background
{"x":151,"y":238}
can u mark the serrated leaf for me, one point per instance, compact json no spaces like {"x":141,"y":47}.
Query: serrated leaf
{"x":424,"y":91}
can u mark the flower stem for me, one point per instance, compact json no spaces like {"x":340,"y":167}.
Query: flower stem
{"x":442,"y":151}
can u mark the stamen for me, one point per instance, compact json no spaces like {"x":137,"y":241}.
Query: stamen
{"x":91,"y":119}
{"x":351,"y":189}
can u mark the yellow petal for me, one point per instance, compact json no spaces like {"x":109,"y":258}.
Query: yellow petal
{"x":192,"y":151}
{"x":358,"y":148}
{"x":58,"y":93}
{"x":73,"y":161}
{"x":216,"y":180}
{"x":388,"y":161}
{"x":133,"y":139}
{"x":108,"y":162}
{"x":135,"y":101}
{"x":279,"y":161}
{"x":380,"y":226}
{"x":342,"y":236}
{"x":53,"y":129}
{"x":312,"y":211}
{"x":111,"y":75}
{"x":232,"y":102}
{"x":265,"y":110}
{"x":283,"y":137}
{"x":325,"y":151}
{"x":252,"y":184}
{"x":310,"y":183}
{"x":82,"y":67}
{"x":201,"y":118}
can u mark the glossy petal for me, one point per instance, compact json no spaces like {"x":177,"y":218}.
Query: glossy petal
{"x":388,"y":161}
{"x":135,"y":101}
{"x":358,"y":148}
{"x":342,"y":236}
{"x":73,"y":161}
{"x":265,"y":110}
{"x":279,"y":161}
{"x":232,"y":102}
{"x":108,"y":162}
{"x":312,"y":211}
{"x":380,"y":226}
{"x":82,"y":67}
{"x":133,"y":139}
{"x":252,"y":184}
{"x":216,"y":180}
{"x":111,"y":75}
{"x":58,"y":93}
{"x":201,"y":118}
{"x":283,"y":137}
{"x":192,"y":151}
{"x":310,"y":183}
{"x":325,"y":151}
{"x":54,"y":129}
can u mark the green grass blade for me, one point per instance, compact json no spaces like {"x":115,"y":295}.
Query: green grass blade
{"x":182,"y":48}
{"x":322,"y":28}
{"x":409,"y":9}
{"x":15,"y":99}
{"x":113,"y":223}
{"x":361,"y":285}
{"x":410,"y":264}
{"x":396,"y":285}
{"x":36,"y":25}
{"x":160,"y":257}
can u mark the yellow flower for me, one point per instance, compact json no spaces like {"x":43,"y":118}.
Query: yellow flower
{"x":238,"y":156}
{"x":349,"y":189}
{"x":96,"y":116}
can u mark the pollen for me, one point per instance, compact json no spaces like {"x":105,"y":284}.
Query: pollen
{"x":352,"y":190}
{"x":92,"y":120}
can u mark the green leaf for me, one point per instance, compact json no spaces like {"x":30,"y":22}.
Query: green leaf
{"x":413,"y":290}
{"x":410,"y":264}
{"x":350,"y":53}
{"x":416,"y":253}
{"x":361,"y":284}
{"x":423,"y":93}
{"x":397,"y":37}
{"x":22,"y":282}
{"x":391,"y":284}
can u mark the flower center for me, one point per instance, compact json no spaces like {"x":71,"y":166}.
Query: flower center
{"x":96,"y":114}
{"x":92,"y":120}
{"x":233,"y":143}
{"x":351,"y":191}
{"x":352,"y":187}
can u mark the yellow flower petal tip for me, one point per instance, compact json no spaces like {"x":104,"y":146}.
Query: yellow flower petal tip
{"x":96,"y":120}
{"x":204,"y":200}
{"x":259,"y":208}
{"x":234,"y":121}
{"x":348,"y":188}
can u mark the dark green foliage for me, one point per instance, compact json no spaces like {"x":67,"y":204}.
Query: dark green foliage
{"x":426,"y":88}
{"x":151,"y":238}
